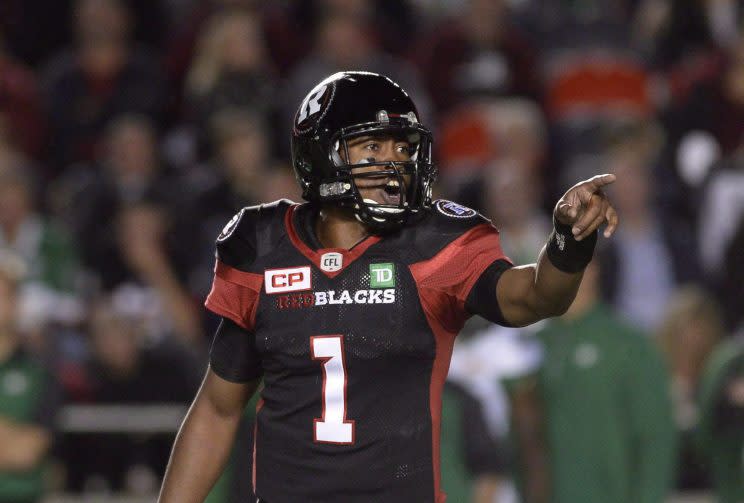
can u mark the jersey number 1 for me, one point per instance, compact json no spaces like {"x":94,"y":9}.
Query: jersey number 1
{"x":332,"y":427}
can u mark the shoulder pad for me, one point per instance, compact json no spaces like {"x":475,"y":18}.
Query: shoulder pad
{"x":437,"y":227}
{"x":240,"y":240}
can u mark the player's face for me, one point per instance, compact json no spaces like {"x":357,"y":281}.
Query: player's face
{"x":383,"y":189}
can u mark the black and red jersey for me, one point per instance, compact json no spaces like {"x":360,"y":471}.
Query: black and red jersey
{"x":353,"y":346}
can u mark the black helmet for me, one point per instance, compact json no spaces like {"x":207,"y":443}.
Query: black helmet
{"x":351,"y":104}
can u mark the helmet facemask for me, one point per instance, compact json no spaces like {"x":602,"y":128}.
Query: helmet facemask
{"x":405,"y":186}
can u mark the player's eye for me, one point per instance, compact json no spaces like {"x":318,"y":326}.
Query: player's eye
{"x":374,"y":146}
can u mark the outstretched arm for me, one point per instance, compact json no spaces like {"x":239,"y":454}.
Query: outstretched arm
{"x":529,"y":293}
{"x":205,"y":439}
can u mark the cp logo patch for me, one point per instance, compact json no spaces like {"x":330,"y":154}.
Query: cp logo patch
{"x":293,"y":279}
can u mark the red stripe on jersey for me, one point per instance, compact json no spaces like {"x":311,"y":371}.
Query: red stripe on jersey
{"x":259,"y":404}
{"x":349,"y":256}
{"x":444,"y":341}
{"x":449,"y":276}
{"x":235,"y":294}
{"x":444,"y":283}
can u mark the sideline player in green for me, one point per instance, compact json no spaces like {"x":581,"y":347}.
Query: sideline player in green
{"x":608,"y":422}
{"x":29,"y":400}
{"x":708,"y":389}
{"x":347,"y":306}
{"x":721,"y":428}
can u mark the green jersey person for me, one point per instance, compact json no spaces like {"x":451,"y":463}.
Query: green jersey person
{"x":28,"y":402}
{"x":608,"y":422}
{"x":708,"y":392}
{"x":721,"y":426}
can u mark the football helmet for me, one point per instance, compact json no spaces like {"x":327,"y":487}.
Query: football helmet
{"x":347,"y":105}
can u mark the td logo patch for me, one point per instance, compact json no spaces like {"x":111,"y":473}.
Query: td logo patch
{"x":382,"y":275}
{"x":453,"y":210}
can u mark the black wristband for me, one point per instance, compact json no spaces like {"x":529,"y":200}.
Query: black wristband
{"x":567,"y":254}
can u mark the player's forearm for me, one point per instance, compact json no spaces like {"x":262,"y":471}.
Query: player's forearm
{"x":530,"y":293}
{"x":199,"y":454}
{"x":554,"y":290}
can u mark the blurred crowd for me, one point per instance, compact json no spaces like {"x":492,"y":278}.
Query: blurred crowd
{"x":132,"y":130}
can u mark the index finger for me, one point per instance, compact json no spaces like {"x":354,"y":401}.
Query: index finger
{"x":600,"y":181}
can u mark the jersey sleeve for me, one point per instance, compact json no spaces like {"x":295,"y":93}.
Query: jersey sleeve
{"x":447,"y":279}
{"x":235,"y":289}
{"x":233,"y":355}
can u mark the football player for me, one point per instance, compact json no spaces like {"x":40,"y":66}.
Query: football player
{"x":346,"y":307}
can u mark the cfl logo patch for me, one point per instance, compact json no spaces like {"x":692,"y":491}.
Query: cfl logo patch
{"x":331,"y":262}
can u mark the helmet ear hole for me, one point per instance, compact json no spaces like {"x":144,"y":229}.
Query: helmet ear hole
{"x":335,"y":154}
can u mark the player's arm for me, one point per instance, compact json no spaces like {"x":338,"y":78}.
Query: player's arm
{"x":529,"y":293}
{"x":205,"y":439}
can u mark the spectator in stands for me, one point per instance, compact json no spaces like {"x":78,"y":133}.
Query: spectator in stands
{"x":608,"y":419}
{"x":29,"y":36}
{"x":284,"y":28}
{"x":732,"y":286}
{"x":514,"y":203}
{"x":642,"y":269}
{"x":726,"y":115}
{"x":126,"y":369}
{"x":29,"y":400}
{"x":509,"y":189}
{"x":342,"y":41}
{"x":153,"y":290}
{"x":498,"y":364}
{"x":242,"y":172}
{"x":122,"y":211}
{"x":479,"y":52}
{"x":707,"y":392}
{"x":89,"y":196}
{"x":490,"y":130}
{"x":49,"y":288}
{"x":675,"y":32}
{"x":472,"y":462}
{"x":393,"y":24}
{"x":103,"y":77}
{"x":721,"y":232}
{"x":22,"y":124}
{"x":231,"y":69}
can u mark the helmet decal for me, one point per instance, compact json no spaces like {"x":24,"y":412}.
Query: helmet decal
{"x":313,"y":107}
